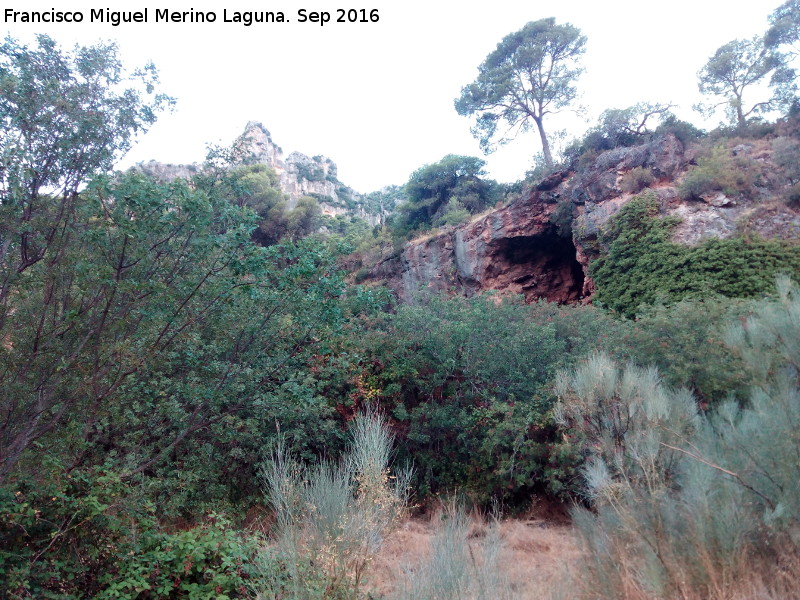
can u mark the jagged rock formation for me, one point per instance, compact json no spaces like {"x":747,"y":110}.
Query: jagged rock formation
{"x":299,"y":175}
{"x":517,"y":248}
{"x":513,"y":249}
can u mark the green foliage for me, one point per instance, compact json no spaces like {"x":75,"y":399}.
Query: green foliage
{"x":49,"y":127}
{"x":782,"y":42}
{"x":784,"y":27}
{"x":454,"y":214}
{"x":720,"y":170}
{"x":435,"y":190}
{"x":643,"y":265}
{"x":309,"y":172}
{"x":562,"y":217}
{"x":684,"y":131}
{"x":84,"y":533}
{"x":257,"y":188}
{"x":467,"y":383}
{"x":384,"y":200}
{"x":531,"y":74}
{"x":620,"y":127}
{"x":786,"y":154}
{"x":681,"y":499}
{"x":167,"y":332}
{"x":208,"y":561}
{"x":736,"y":66}
{"x":684,"y":341}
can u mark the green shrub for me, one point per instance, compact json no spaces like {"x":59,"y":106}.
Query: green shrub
{"x":454,"y":214}
{"x":332,"y":517}
{"x":720,"y":171}
{"x":208,"y":561}
{"x":684,"y":342}
{"x":689,"y":505}
{"x":642,"y":265}
{"x":87,"y":534}
{"x":684,"y":131}
{"x":562,"y":218}
{"x":467,"y":383}
{"x":786,"y":154}
{"x":792,"y":195}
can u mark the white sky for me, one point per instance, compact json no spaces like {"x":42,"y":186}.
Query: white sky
{"x":377,"y":98}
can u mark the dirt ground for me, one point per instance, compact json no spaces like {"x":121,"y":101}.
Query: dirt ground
{"x":536,"y":551}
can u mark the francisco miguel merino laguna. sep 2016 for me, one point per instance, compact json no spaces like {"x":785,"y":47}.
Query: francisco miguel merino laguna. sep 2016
{"x":162,"y":15}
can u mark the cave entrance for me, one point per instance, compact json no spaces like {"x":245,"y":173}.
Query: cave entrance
{"x":541,"y":266}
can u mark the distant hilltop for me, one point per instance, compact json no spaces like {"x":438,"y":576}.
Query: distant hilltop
{"x":300,"y":175}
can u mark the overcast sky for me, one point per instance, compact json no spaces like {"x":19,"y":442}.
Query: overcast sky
{"x":377,"y":98}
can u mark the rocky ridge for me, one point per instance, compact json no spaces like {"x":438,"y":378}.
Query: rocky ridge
{"x":517,"y":248}
{"x":299,"y":175}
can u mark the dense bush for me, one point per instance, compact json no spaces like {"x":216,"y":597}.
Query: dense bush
{"x":467,"y":385}
{"x":562,"y":217}
{"x":720,"y":170}
{"x":689,"y":505}
{"x":643,"y":265}
{"x":85,"y":533}
{"x":434,"y":190}
{"x":786,"y":154}
{"x":685,"y":342}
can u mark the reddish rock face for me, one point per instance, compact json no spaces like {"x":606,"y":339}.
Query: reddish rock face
{"x":514,"y":249}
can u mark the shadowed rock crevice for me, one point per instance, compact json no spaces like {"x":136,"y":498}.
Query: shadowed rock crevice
{"x":537,"y":266}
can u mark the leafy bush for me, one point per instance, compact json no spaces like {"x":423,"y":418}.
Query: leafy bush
{"x":720,"y":170}
{"x":684,"y":341}
{"x":454,"y":214}
{"x":786,"y":154}
{"x":430,"y":189}
{"x":209,"y":561}
{"x":792,"y":195}
{"x":684,"y":131}
{"x":471,"y":410}
{"x":87,"y":534}
{"x":562,"y":218}
{"x":689,"y":505}
{"x":643,"y":265}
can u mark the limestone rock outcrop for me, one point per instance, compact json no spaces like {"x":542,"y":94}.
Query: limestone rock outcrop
{"x":517,"y":248}
{"x":299,"y":175}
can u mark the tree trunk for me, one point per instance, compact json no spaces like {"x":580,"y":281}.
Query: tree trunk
{"x":548,"y":158}
{"x":739,"y":113}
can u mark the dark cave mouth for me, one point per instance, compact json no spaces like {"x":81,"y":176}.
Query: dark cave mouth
{"x":541,"y":266}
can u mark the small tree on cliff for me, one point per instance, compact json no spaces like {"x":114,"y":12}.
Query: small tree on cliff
{"x":531,"y":74}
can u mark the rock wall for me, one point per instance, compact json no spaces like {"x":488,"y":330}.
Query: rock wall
{"x":299,"y":174}
{"x":517,"y":249}
{"x":514,"y":249}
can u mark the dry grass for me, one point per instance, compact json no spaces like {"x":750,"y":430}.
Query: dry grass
{"x":755,"y":579}
{"x":542,"y":559}
{"x":534,"y":551}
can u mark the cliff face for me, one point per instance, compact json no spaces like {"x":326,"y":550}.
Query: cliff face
{"x":517,"y":248}
{"x":513,"y":249}
{"x":299,"y":175}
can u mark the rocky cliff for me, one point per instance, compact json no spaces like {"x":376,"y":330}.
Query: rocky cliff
{"x":299,"y":175}
{"x":520,"y":248}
